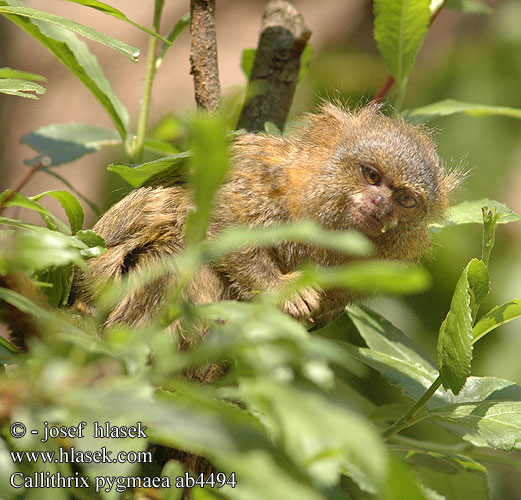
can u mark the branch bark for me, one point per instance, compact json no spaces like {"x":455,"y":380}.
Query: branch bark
{"x":203,"y":55}
{"x":273,"y":79}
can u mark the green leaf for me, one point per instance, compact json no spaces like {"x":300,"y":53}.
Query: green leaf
{"x":112,"y":11}
{"x":305,"y":231}
{"x":399,"y":29}
{"x":497,"y":316}
{"x":161,"y":147}
{"x":498,"y":422}
{"x":18,"y":200}
{"x":70,"y":204}
{"x":37,"y":250}
{"x":22,"y":75}
{"x":64,"y":143}
{"x":450,"y":106}
{"x":178,"y":28}
{"x":470,"y":212}
{"x":294,"y":413}
{"x":247,"y":60}
{"x":455,"y":337}
{"x":210,"y":165}
{"x":94,"y":244}
{"x":470,"y":6}
{"x":173,"y":166}
{"x":450,"y":482}
{"x":75,"y":55}
{"x":403,"y":485}
{"x":372,"y":277}
{"x":412,"y":378}
{"x":272,"y":129}
{"x":305,"y":61}
{"x":20,"y":88}
{"x":7,"y":352}
{"x":450,"y":463}
{"x":382,"y":336}
{"x":128,"y":51}
{"x":60,"y":281}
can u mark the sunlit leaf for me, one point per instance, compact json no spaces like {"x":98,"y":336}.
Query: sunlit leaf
{"x":173,"y":166}
{"x":75,"y":55}
{"x":20,"y":88}
{"x":22,"y":75}
{"x":470,"y":212}
{"x":112,"y":11}
{"x":455,"y":338}
{"x":450,"y":106}
{"x":70,"y":204}
{"x":497,"y":316}
{"x":128,"y":51}
{"x":399,"y":29}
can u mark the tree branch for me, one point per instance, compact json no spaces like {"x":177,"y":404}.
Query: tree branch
{"x":203,"y":55}
{"x":273,"y":79}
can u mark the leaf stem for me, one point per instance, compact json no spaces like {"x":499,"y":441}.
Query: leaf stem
{"x":21,"y":183}
{"x":138,"y":145}
{"x":407,"y":418}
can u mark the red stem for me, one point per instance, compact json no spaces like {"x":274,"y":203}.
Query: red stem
{"x":21,"y":183}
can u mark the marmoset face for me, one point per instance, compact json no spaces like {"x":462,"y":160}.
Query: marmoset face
{"x":382,"y":202}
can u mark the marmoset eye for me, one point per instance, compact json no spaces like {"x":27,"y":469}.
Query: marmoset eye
{"x":371,"y":175}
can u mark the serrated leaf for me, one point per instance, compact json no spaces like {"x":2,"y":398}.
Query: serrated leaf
{"x":498,"y":422}
{"x":469,"y":212}
{"x":497,"y":316}
{"x":455,"y":337}
{"x":70,"y":204}
{"x":20,"y":88}
{"x":128,"y":51}
{"x":112,"y":11}
{"x":399,"y":29}
{"x":75,"y":55}
{"x":137,"y":174}
{"x":64,"y":143}
{"x":22,"y":75}
{"x":449,"y":107}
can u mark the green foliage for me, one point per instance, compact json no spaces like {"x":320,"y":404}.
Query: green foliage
{"x":399,"y":29}
{"x":20,"y":88}
{"x":75,"y":55}
{"x":289,"y":418}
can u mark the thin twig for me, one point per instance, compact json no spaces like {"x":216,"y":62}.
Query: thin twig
{"x":390,"y":79}
{"x":203,"y":55}
{"x":21,"y":183}
{"x":274,"y":76}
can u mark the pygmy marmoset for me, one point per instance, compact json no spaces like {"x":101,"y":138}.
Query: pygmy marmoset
{"x":345,"y":170}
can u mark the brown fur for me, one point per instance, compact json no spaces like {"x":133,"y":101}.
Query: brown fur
{"x":314,"y":173}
